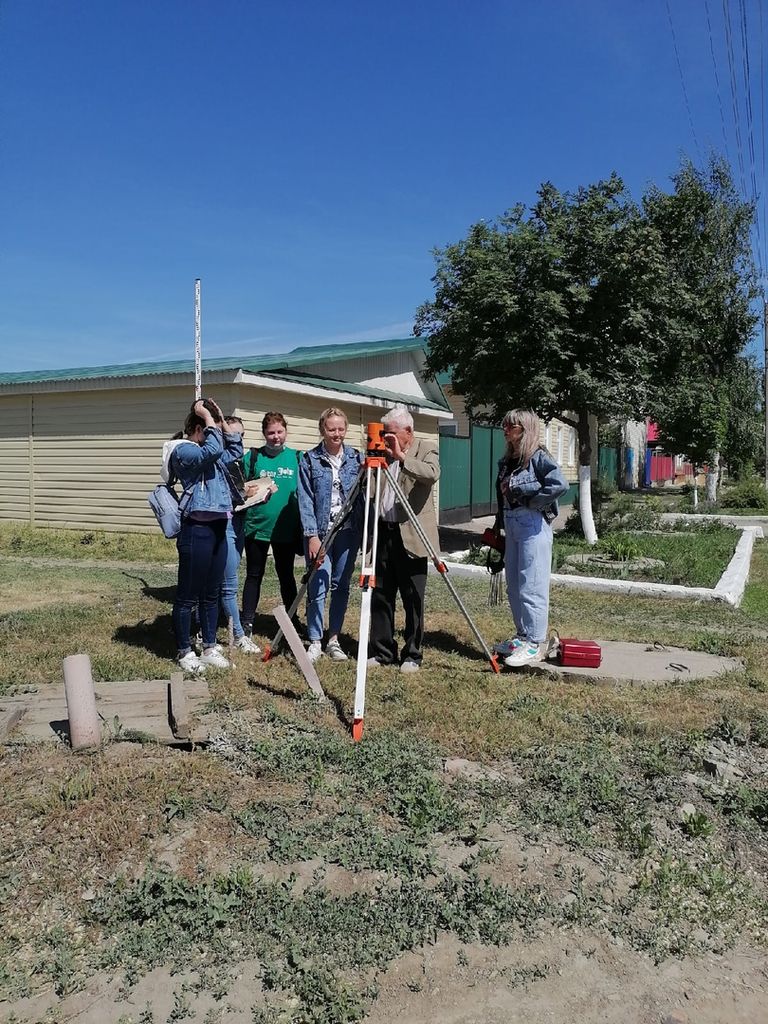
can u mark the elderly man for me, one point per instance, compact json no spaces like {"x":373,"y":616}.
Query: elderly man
{"x":401,"y":560}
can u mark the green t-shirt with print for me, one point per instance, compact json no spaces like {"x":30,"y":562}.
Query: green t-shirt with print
{"x":278,"y":518}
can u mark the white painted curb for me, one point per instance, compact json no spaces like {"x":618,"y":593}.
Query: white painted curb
{"x":730,"y":587}
{"x":740,"y":522}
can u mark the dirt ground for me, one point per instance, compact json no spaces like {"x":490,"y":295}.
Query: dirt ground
{"x":588,"y":979}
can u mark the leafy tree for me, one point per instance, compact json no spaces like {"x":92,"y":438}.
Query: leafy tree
{"x":743,"y":444}
{"x":558,"y":309}
{"x":703,"y":228}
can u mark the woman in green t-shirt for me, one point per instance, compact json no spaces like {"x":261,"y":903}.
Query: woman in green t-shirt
{"x":274,"y":522}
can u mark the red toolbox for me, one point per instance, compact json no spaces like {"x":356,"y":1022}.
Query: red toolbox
{"x":579,"y":653}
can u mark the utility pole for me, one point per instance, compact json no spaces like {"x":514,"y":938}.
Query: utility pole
{"x":198,"y":360}
{"x":765,"y":370}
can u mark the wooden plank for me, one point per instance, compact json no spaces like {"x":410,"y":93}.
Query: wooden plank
{"x":9,"y":720}
{"x":299,"y":652}
{"x":178,"y":714}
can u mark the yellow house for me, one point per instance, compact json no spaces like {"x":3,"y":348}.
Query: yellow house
{"x":81,"y":448}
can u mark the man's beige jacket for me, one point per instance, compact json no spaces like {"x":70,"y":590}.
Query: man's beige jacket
{"x":419,"y":472}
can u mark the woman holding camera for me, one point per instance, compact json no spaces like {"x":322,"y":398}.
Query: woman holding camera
{"x":528,"y":485}
{"x":198,"y":462}
{"x":327,"y":474}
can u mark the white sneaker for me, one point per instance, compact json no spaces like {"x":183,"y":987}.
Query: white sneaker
{"x":334,"y":651}
{"x":409,"y":665}
{"x":214,"y":658}
{"x":525,"y":655}
{"x":507,"y":647}
{"x":246,"y":644}
{"x":314,"y":651}
{"x":191,"y":663}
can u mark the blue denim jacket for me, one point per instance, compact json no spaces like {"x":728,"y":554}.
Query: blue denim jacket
{"x":315,"y":485}
{"x":537,"y":486}
{"x":199,"y":467}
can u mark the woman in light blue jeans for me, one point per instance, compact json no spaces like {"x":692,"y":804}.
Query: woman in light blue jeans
{"x":327,"y":476}
{"x":527,"y":488}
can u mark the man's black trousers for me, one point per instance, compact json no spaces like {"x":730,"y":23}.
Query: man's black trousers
{"x":397,"y":572}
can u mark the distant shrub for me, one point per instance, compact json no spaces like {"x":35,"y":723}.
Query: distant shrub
{"x":747,"y":494}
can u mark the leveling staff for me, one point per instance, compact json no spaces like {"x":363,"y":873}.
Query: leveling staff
{"x":401,"y":558}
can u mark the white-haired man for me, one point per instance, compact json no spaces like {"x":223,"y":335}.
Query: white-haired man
{"x":401,"y":560}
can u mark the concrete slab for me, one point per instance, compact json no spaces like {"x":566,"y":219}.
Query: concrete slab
{"x":642,"y":665}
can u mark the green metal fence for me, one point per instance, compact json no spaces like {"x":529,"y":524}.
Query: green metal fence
{"x":455,"y":454}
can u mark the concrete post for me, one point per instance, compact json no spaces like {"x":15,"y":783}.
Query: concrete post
{"x":84,"y":722}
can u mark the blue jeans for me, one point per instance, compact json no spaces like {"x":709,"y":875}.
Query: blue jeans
{"x":334,"y":574}
{"x":528,"y":564}
{"x":230,"y":586}
{"x":202,"y":548}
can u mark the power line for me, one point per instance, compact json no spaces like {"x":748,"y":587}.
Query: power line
{"x":750,"y":124}
{"x":734,"y":98}
{"x":762,"y":132}
{"x":717,"y":80}
{"x":682,"y":80}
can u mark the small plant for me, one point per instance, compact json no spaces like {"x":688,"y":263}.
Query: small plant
{"x":77,"y":788}
{"x":697,"y":825}
{"x":620,"y":547}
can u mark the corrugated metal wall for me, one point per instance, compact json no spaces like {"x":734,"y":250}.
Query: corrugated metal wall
{"x":88,"y":459}
{"x":14,"y":457}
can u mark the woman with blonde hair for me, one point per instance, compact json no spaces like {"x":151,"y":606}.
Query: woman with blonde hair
{"x":327,"y":474}
{"x":527,"y":488}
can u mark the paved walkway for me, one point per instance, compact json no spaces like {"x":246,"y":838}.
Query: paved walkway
{"x":459,"y":536}
{"x":643,"y":664}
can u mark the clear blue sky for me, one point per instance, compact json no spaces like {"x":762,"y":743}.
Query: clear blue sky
{"x":304,"y":158}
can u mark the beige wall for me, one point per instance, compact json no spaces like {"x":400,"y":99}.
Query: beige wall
{"x":88,"y":459}
{"x":14,"y":457}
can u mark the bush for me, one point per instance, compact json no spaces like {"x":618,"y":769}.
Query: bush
{"x":747,"y":494}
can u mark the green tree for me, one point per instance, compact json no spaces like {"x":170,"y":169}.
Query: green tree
{"x":558,"y":309}
{"x":703,"y":229}
{"x":744,"y":439}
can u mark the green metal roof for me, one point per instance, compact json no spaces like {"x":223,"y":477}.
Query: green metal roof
{"x":253,"y":364}
{"x":394,"y":398}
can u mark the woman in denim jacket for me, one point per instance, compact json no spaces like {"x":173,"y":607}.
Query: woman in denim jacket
{"x":527,"y":488}
{"x":327,"y":474}
{"x":198,"y":462}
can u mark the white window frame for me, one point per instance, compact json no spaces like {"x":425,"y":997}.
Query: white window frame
{"x":547,"y":437}
{"x":572,"y":448}
{"x":560,"y":443}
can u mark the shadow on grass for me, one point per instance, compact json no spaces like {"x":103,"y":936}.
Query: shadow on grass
{"x":155,"y":636}
{"x":451,"y":644}
{"x":164,"y":595}
{"x":282,"y":691}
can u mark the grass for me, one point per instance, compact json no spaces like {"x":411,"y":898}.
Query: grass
{"x":324,"y":860}
{"x":19,"y":540}
{"x":690,"y":559}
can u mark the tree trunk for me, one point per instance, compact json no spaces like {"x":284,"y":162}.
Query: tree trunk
{"x":712,"y":475}
{"x":695,"y":487}
{"x":585,"y":479}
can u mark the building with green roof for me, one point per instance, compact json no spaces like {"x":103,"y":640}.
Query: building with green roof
{"x":81,"y":446}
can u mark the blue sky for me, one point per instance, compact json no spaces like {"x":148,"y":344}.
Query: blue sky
{"x":305,"y":158}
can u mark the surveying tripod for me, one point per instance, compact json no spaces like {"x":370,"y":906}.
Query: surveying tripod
{"x":374,"y":469}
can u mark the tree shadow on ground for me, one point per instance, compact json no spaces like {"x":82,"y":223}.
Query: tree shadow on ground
{"x":165,"y":595}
